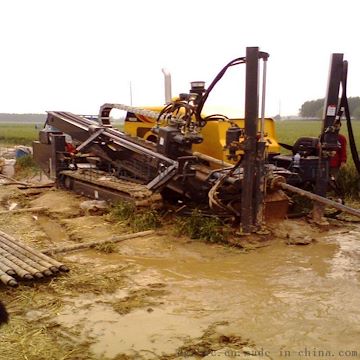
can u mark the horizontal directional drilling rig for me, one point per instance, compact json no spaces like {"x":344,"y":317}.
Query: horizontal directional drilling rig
{"x":174,"y":153}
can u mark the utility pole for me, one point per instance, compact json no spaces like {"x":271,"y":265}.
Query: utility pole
{"x":131,"y":93}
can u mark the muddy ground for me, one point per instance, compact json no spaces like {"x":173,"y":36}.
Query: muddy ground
{"x":169,"y":297}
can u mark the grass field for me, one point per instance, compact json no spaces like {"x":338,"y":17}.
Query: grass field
{"x":286,"y":131}
{"x":18,"y":134}
{"x":289,"y":130}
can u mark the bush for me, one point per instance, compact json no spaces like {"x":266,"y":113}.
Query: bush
{"x":122,"y":211}
{"x":349,"y":181}
{"x":138,"y":220}
{"x":145,"y":220}
{"x":26,"y":166}
{"x":197,"y":226}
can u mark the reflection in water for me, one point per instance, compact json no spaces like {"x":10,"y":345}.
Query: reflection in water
{"x":283,"y":298}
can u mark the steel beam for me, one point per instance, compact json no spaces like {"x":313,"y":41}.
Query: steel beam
{"x":248,"y":205}
{"x":320,"y":199}
{"x":329,"y":132}
{"x":332,"y":91}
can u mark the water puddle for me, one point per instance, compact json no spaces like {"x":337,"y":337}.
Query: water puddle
{"x":282,"y":297}
{"x":52,"y":229}
{"x":139,"y":332}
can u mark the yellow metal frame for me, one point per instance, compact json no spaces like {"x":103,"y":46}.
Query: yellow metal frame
{"x":214,"y":134}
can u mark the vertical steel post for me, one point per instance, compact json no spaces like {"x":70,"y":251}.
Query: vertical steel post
{"x":329,"y":133}
{"x":248,"y":205}
{"x":260,"y":186}
{"x":57,"y":146}
{"x":332,"y":91}
{"x":263,"y":95}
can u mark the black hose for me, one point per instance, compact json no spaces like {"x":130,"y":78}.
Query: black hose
{"x":237,"y":61}
{"x":344,"y":108}
{"x":345,"y":104}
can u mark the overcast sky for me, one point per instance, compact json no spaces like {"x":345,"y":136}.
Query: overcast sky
{"x":75,"y":55}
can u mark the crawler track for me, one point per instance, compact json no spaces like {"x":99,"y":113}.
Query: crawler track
{"x":101,"y":185}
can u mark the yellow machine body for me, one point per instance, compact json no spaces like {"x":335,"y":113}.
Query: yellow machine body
{"x":214,"y":134}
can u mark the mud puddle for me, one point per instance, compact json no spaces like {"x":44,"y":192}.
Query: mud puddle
{"x":279,"y":298}
{"x":53,"y":230}
{"x":172,"y":298}
{"x":140,"y":333}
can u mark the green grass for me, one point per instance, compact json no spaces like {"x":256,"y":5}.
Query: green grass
{"x":26,"y":166}
{"x":18,"y":134}
{"x":349,"y":181}
{"x":287,"y":131}
{"x":197,"y":226}
{"x":123,"y":211}
{"x":137,"y":219}
{"x":23,"y":134}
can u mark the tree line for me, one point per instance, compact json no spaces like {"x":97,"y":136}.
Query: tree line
{"x":315,"y":108}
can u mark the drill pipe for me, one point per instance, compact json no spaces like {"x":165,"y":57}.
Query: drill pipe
{"x":7,"y":280}
{"x":45,"y":271}
{"x":18,"y":211}
{"x":28,"y":254}
{"x":320,"y":199}
{"x":7,"y":269}
{"x":21,"y":264}
{"x":213,"y":160}
{"x":39,"y":254}
{"x":19,"y":270}
{"x":91,"y":244}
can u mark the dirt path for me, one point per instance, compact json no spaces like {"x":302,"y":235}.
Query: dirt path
{"x":165,"y":297}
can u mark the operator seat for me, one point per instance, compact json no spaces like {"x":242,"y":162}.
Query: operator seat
{"x":306,"y":146}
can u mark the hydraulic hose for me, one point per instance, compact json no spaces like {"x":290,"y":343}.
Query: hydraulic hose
{"x":345,"y":105}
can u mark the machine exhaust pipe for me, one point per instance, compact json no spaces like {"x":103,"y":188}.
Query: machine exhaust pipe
{"x":167,"y":85}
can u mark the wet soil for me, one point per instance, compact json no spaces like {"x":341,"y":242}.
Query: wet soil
{"x":169,"y":297}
